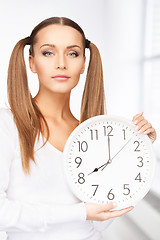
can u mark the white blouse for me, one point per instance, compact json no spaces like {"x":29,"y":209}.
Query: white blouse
{"x":40,"y":205}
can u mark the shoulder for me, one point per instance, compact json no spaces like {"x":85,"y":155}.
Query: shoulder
{"x":6,"y":120}
{"x":8,"y":136}
{"x":4,"y":112}
{"x":6,"y":115}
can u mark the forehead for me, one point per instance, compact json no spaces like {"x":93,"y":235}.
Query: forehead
{"x":59,"y":34}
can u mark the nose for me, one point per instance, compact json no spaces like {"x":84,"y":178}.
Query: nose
{"x":61,"y":61}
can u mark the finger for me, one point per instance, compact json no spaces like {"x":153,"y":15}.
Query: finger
{"x":150,"y":130}
{"x":138,"y":119}
{"x":141,"y":124}
{"x":118,"y":213}
{"x":137,"y":115}
{"x":146,"y":127}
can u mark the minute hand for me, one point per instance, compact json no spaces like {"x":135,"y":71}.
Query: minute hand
{"x":109,"y":161}
{"x":109,"y":152}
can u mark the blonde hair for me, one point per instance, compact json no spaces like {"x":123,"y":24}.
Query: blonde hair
{"x":26,"y":113}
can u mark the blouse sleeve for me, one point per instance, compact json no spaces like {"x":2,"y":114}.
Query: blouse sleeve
{"x":102,"y":225}
{"x":18,"y":216}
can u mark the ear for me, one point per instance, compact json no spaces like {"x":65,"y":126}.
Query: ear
{"x":31,"y":64}
{"x":83,"y":68}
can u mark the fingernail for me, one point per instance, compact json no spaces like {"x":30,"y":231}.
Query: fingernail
{"x":136,"y":121}
{"x":137,"y":127}
{"x":131,"y":208}
{"x":140,"y":131}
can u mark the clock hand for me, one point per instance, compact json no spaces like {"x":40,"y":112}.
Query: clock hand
{"x":121,"y":148}
{"x":109,"y":148}
{"x":109,"y":161}
{"x":96,"y":169}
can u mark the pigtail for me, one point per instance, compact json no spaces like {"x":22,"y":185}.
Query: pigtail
{"x":25,"y":112}
{"x":93,"y":99}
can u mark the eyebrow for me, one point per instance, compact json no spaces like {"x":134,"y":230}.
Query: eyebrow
{"x":53,"y":46}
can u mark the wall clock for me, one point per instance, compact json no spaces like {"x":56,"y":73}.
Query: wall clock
{"x":105,"y":159}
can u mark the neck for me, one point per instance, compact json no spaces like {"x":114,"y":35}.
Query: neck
{"x":54,"y":105}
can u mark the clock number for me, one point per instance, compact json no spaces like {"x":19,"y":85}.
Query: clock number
{"x":138,"y":177}
{"x":125,"y":186}
{"x":81,"y":179}
{"x":141,"y":161}
{"x":83,"y":146}
{"x":124,"y":134}
{"x":136,"y":149}
{"x":110,"y":195}
{"x":78,"y":160}
{"x":93,"y":134}
{"x":110,"y":129}
{"x":95,"y":189}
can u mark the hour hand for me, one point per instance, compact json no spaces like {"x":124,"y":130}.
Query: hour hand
{"x":96,"y":169}
{"x":109,"y":160}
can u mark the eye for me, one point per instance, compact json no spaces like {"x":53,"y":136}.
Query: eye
{"x":47,"y":53}
{"x":73,"y":54}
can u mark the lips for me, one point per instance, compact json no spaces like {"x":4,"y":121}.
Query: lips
{"x":61,"y":77}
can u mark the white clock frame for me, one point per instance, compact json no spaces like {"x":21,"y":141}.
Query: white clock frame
{"x":71,"y":167}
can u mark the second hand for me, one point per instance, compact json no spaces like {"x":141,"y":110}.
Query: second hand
{"x":110,"y":160}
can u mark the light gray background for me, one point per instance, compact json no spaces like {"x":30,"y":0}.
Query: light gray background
{"x":114,"y":26}
{"x":117,"y":28}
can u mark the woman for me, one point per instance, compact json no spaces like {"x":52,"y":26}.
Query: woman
{"x":35,"y":201}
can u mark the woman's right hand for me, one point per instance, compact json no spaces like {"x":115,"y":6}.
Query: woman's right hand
{"x":101,"y":212}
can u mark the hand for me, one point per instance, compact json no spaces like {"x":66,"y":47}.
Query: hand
{"x":143,"y":126}
{"x":101,"y":212}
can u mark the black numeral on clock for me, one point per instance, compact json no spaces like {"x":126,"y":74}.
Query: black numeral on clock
{"x":83,"y":146}
{"x":138,"y":177}
{"x":124,"y":134}
{"x":110,"y":195}
{"x":140,"y":162}
{"x":109,"y":129}
{"x":137,"y":146}
{"x":126,"y":188}
{"x":94,"y":135}
{"x":81,"y":179}
{"x":78,"y":160}
{"x":95,"y":189}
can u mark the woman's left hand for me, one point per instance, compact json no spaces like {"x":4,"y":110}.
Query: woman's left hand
{"x":143,"y":126}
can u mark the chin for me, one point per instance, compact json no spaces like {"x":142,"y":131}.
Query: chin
{"x":66,"y":89}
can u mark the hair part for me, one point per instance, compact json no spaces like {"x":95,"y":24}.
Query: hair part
{"x":28,"y":118}
{"x":53,"y":20}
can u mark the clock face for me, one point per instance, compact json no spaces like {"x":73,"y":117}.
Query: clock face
{"x":105,"y":159}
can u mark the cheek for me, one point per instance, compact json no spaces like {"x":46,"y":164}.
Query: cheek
{"x":40,"y":67}
{"x":77,"y":68}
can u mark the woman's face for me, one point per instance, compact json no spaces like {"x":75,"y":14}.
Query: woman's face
{"x":58,"y":58}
